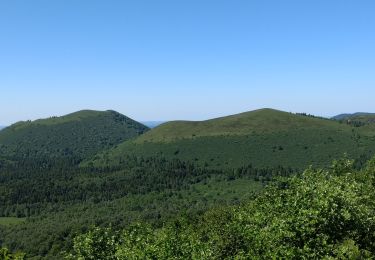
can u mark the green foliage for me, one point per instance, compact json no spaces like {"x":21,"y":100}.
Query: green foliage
{"x":320,"y":214}
{"x":137,"y":243}
{"x":342,"y":166}
{"x":97,"y":244}
{"x":310,"y":217}
{"x":5,"y":254}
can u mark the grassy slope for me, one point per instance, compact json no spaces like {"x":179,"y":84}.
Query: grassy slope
{"x":81,"y":134}
{"x":263,"y":137}
{"x":7,"y":221}
{"x":259,"y":121}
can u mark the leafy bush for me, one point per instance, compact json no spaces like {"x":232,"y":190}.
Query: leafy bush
{"x":97,"y":244}
{"x":5,"y":254}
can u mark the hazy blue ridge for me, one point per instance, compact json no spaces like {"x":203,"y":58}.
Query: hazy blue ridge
{"x":152,"y":124}
{"x":344,"y":116}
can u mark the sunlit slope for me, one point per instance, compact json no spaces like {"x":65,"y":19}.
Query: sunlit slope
{"x":80,"y":134}
{"x":263,"y":138}
{"x":258,"y":121}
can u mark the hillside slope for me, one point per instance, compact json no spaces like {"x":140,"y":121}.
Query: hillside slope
{"x":254,"y":122}
{"x":264,"y":138}
{"x":80,"y":134}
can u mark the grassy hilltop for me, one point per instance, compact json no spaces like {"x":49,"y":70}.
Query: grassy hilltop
{"x":264,"y":137}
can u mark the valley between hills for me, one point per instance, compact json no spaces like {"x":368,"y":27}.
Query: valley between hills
{"x":260,"y":184}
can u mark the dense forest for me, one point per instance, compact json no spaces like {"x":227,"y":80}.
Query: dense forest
{"x":315,"y":214}
{"x":59,"y":199}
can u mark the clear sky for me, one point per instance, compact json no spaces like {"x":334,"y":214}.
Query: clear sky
{"x":185,"y":59}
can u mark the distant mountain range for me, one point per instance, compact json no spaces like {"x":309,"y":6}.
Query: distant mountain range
{"x":354,"y":115}
{"x":152,"y":124}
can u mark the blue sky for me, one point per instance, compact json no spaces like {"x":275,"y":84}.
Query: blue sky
{"x":185,"y":59}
